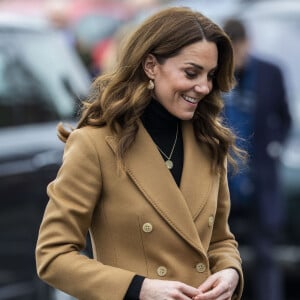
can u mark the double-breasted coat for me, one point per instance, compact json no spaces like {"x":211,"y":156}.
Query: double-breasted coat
{"x":140,"y":221}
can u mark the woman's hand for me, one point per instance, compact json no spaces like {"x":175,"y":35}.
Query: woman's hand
{"x":153,"y":289}
{"x":219,"y":286}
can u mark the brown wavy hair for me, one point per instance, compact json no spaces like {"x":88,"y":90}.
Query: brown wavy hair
{"x":119,"y":99}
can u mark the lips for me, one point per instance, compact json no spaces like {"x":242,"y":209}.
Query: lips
{"x":190,"y":99}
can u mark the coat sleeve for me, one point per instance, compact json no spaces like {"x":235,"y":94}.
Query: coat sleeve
{"x":223,"y":250}
{"x":73,"y":196}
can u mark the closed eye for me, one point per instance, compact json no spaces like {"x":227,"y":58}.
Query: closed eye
{"x":190,"y":74}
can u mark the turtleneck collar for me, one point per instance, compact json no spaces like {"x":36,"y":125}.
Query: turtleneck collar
{"x":162,"y":127}
{"x":157,"y":118}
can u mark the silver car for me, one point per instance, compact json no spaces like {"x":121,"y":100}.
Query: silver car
{"x":42,"y":82}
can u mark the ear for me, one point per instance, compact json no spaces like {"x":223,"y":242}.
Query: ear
{"x":149,"y":66}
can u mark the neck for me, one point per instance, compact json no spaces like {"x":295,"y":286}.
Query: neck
{"x":157,"y":118}
{"x":164,"y":129}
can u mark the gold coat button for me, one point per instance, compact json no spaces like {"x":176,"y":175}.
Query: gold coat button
{"x":211,"y":221}
{"x":162,"y":271}
{"x":147,"y":227}
{"x":200,"y":267}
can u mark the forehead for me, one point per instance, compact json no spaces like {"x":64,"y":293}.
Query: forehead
{"x":203,"y":53}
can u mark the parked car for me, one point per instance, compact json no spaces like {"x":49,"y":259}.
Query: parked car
{"x":42,"y":81}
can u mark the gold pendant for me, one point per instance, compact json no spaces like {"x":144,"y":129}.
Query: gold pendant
{"x":169,"y":164}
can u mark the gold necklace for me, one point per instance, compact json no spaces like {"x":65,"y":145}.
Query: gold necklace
{"x":169,"y":163}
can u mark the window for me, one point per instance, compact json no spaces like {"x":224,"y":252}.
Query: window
{"x":23,"y":98}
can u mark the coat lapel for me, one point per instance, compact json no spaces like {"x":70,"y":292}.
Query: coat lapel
{"x":196,"y":180}
{"x":146,"y":168}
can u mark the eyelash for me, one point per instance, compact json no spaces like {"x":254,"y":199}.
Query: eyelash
{"x":192,"y":75}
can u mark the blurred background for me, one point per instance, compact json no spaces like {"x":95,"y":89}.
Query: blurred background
{"x":50,"y":52}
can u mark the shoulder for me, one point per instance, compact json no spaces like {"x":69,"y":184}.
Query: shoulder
{"x":91,"y":132}
{"x":89,"y":136}
{"x":262,"y":63}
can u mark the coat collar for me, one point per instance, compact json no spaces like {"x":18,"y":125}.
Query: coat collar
{"x":179,"y":207}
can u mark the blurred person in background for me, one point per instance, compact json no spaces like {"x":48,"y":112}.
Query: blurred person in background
{"x":145,"y":172}
{"x":56,"y":12}
{"x":257,"y":110}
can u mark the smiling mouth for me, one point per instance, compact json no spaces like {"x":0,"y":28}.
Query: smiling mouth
{"x":190,"y":99}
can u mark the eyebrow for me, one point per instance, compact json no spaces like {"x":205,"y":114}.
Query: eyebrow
{"x":200,"y":67}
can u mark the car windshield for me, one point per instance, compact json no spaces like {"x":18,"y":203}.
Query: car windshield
{"x":38,"y":71}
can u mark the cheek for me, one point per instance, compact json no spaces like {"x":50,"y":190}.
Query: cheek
{"x":171,"y":78}
{"x":170,"y":82}
{"x":169,"y":86}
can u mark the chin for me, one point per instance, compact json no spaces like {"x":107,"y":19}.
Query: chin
{"x":186,"y":117}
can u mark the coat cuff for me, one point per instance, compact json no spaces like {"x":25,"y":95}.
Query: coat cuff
{"x":134,"y":289}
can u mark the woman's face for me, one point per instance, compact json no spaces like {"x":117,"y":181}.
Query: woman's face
{"x":182,"y":81}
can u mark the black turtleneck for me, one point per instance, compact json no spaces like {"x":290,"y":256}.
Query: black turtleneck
{"x":161,"y":126}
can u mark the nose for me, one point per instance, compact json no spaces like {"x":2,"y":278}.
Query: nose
{"x":203,"y":87}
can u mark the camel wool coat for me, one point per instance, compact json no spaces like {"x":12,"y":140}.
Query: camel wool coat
{"x":140,"y":221}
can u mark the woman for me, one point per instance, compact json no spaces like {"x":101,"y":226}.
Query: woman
{"x":145,"y":174}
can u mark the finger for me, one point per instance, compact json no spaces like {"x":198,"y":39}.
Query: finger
{"x":215,"y":292}
{"x":220,"y":292}
{"x":179,"y":295}
{"x":208,"y":284}
{"x":189,"y":290}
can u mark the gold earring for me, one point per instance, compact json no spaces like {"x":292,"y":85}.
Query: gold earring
{"x":150,"y":85}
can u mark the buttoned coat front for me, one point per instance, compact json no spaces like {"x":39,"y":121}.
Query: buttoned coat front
{"x":140,"y":221}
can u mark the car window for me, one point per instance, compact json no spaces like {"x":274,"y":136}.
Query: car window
{"x":23,"y":97}
{"x":42,"y":79}
{"x":57,"y":65}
